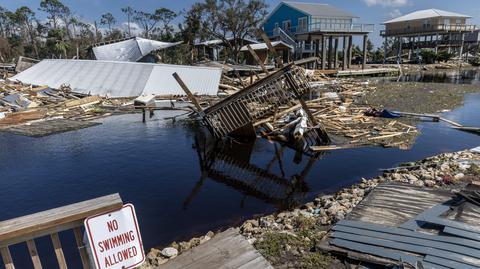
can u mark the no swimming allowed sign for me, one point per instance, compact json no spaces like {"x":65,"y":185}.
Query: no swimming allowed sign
{"x":115,"y":239}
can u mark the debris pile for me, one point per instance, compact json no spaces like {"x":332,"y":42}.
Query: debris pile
{"x":22,"y":104}
{"x":348,"y":124}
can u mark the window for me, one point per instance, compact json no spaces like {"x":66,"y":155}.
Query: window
{"x":302,"y":24}
{"x":458,"y":21}
{"x":426,"y":24}
{"x":276,"y":25}
{"x":287,"y":26}
{"x":446,"y":21}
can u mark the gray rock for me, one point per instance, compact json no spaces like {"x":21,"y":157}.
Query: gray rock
{"x":411,"y":177}
{"x":169,"y":252}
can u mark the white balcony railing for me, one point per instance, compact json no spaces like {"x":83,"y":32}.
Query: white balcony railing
{"x":430,"y":28}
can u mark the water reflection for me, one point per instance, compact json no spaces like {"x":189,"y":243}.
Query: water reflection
{"x":464,"y":76}
{"x":229,"y":163}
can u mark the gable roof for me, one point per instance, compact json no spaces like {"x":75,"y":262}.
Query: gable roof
{"x":318,"y":9}
{"x":425,"y":14}
{"x":314,"y":9}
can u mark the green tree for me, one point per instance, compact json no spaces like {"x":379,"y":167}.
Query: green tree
{"x":55,"y":9}
{"x":129,"y":12}
{"x":149,"y":21}
{"x":25,"y":17}
{"x":236,"y":19}
{"x":109,"y":20}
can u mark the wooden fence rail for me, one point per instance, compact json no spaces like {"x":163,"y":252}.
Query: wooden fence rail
{"x":50,"y":223}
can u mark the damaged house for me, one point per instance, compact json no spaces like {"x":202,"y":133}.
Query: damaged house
{"x":134,"y":49}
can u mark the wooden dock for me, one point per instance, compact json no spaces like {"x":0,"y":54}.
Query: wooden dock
{"x":227,"y":250}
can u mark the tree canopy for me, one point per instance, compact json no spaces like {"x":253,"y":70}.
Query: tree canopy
{"x":65,"y":34}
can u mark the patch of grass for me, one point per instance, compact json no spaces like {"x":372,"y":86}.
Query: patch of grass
{"x":474,"y":170}
{"x":316,"y":260}
{"x":273,"y":244}
{"x":302,"y":222}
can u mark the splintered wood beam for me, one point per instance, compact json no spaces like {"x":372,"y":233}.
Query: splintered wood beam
{"x":32,"y":249}
{"x":188,"y":92}
{"x":278,"y":59}
{"x":57,"y":246}
{"x":257,"y":59}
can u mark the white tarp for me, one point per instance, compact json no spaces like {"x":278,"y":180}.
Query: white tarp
{"x":121,"y":79}
{"x":130,"y":50}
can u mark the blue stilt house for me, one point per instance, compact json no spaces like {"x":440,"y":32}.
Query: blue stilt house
{"x":316,"y":29}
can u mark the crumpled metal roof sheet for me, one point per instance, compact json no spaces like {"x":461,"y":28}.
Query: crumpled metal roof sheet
{"x":121,"y":79}
{"x":130,"y":50}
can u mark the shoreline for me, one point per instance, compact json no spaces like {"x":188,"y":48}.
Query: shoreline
{"x":287,"y":238}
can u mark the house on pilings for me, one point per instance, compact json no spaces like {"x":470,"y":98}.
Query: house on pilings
{"x":315,"y":29}
{"x":429,"y":29}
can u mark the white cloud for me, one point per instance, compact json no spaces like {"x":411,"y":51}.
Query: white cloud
{"x":387,"y":3}
{"x":395,"y":13}
{"x":134,"y":28}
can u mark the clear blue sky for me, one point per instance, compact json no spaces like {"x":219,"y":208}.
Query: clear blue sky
{"x":369,"y":11}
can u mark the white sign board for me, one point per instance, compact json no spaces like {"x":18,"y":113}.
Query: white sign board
{"x":115,"y":239}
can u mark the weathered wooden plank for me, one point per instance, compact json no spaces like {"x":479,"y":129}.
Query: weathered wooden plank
{"x":257,"y":59}
{"x":377,"y":251}
{"x":403,"y":232}
{"x":445,"y":262}
{"x":392,"y":204}
{"x":461,"y":233}
{"x":57,"y":246}
{"x":7,"y":258}
{"x":188,"y":92}
{"x":434,"y":211}
{"x":56,"y":220}
{"x":408,"y":247}
{"x":32,"y":249}
{"x":81,"y":248}
{"x":226,"y":250}
{"x":449,"y":223}
{"x":472,"y":252}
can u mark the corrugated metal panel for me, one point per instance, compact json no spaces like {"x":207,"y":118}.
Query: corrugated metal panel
{"x":130,"y":50}
{"x":425,"y":14}
{"x":200,"y":80}
{"x":121,"y":79}
{"x":146,"y":45}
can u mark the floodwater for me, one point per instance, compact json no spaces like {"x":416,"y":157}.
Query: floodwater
{"x":455,"y":76}
{"x":181,"y":183}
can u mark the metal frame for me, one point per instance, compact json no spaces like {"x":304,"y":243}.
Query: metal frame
{"x":258,"y":100}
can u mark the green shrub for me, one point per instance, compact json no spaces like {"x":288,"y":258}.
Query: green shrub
{"x":444,"y":56}
{"x":475,"y":61}
{"x":428,"y":56}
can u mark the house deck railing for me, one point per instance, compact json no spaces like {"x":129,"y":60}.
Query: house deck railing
{"x":430,"y":29}
{"x":327,"y":28}
{"x":24,"y":230}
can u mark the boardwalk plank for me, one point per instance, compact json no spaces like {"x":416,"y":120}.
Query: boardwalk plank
{"x":228,"y":250}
